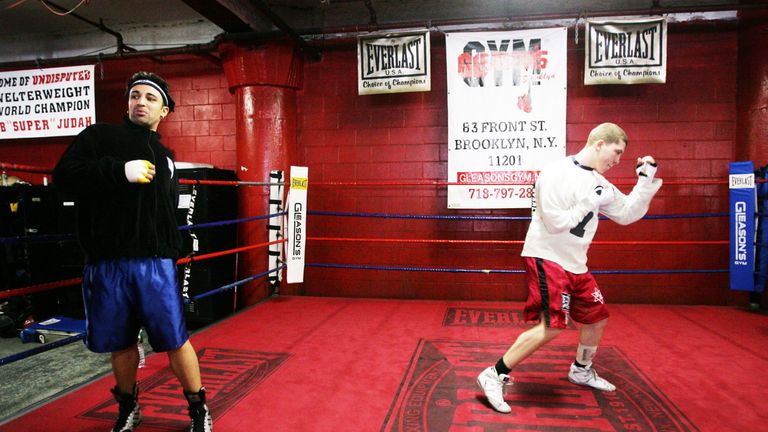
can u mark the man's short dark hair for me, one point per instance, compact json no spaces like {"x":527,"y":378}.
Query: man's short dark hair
{"x":153,"y":80}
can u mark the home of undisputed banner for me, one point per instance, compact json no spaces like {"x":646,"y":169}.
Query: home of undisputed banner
{"x":393,"y":63}
{"x":46,"y":102}
{"x":626,"y":52}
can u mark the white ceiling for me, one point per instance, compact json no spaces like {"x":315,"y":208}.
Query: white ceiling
{"x":38,"y":29}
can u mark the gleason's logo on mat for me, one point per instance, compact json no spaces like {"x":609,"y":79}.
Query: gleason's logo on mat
{"x":228,"y":376}
{"x":438,"y":393}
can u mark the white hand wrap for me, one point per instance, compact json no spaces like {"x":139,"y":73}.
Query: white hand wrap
{"x":139,"y":171}
{"x":602,"y":196}
{"x":646,"y":169}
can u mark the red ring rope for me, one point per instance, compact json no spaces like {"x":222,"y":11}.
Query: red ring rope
{"x":597,"y":242}
{"x":69,"y":282}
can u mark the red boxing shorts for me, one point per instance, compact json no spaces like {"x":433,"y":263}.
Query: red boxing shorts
{"x":124,"y":294}
{"x":560,"y":295}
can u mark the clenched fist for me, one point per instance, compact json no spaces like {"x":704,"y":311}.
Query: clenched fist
{"x":139,"y":171}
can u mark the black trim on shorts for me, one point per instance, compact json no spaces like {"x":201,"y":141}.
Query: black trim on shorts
{"x":543,"y":290}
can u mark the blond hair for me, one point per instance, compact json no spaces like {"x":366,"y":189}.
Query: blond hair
{"x":609,"y":132}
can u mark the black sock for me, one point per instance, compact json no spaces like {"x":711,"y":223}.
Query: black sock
{"x":579,"y":364}
{"x":501,"y":368}
{"x":196,"y":400}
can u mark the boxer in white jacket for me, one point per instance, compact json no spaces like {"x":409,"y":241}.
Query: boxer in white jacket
{"x":568,"y":195}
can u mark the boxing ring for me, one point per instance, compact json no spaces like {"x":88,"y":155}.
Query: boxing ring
{"x":312,"y":362}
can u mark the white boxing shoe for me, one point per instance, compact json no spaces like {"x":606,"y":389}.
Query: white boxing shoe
{"x":587,"y":376}
{"x":492,"y":384}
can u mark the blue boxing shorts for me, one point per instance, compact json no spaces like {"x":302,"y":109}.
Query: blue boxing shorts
{"x":122,"y":295}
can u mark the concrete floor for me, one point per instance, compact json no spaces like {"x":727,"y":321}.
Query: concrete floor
{"x":34,"y":380}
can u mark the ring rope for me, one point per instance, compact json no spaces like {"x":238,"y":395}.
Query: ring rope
{"x":445,"y":183}
{"x":57,"y":237}
{"x":69,"y":282}
{"x":44,"y":170}
{"x":226,"y":252}
{"x":406,"y":216}
{"x":233,"y":285}
{"x":227,"y":183}
{"x":681,"y":216}
{"x":229,"y":222}
{"x":30,"y":168}
{"x":39,"y":287}
{"x":660,"y":271}
{"x":488,"y":271}
{"x":55,"y":344}
{"x":24,"y":168}
{"x":597,"y":242}
{"x":67,"y":237}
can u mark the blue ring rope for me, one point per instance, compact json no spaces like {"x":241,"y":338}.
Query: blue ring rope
{"x":230,"y":222}
{"x":57,"y":237}
{"x":68,"y":237}
{"x":232,"y":285}
{"x":55,"y":344}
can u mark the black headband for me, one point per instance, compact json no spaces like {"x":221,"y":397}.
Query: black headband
{"x":154,"y":85}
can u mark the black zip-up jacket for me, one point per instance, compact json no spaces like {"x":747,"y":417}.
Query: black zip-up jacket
{"x":118,"y":219}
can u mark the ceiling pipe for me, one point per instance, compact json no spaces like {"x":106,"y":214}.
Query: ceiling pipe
{"x":195,"y":49}
{"x":436,"y":24}
{"x":264,"y":8}
{"x":208,"y":48}
{"x":121,"y":46}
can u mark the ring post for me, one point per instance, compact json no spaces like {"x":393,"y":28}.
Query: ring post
{"x":276,"y":205}
{"x":741,"y":182}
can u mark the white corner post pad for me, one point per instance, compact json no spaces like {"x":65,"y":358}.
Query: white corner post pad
{"x":297,"y":224}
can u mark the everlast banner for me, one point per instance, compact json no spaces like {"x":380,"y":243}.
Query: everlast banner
{"x":626,"y":52}
{"x":393,"y":63}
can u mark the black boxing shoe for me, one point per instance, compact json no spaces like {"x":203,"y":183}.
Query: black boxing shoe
{"x":129,"y":411}
{"x":199,"y":412}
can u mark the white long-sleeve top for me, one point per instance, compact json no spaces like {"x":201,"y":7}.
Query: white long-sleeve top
{"x":564,"y":212}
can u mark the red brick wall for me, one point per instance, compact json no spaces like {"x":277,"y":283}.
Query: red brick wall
{"x":688,"y":124}
{"x":202,"y":127}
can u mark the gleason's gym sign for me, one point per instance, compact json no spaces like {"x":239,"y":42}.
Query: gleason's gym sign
{"x":626,"y":52}
{"x":393,"y":63}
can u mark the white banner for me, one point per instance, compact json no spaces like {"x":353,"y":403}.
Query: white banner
{"x":50,"y":102}
{"x":626,"y":52}
{"x":506,"y":113}
{"x":297,"y":224}
{"x":393,"y":63}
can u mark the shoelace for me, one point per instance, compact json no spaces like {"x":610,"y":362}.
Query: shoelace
{"x":595,"y":376}
{"x":200,"y":421}
{"x":123,"y":417}
{"x":506,"y":380}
